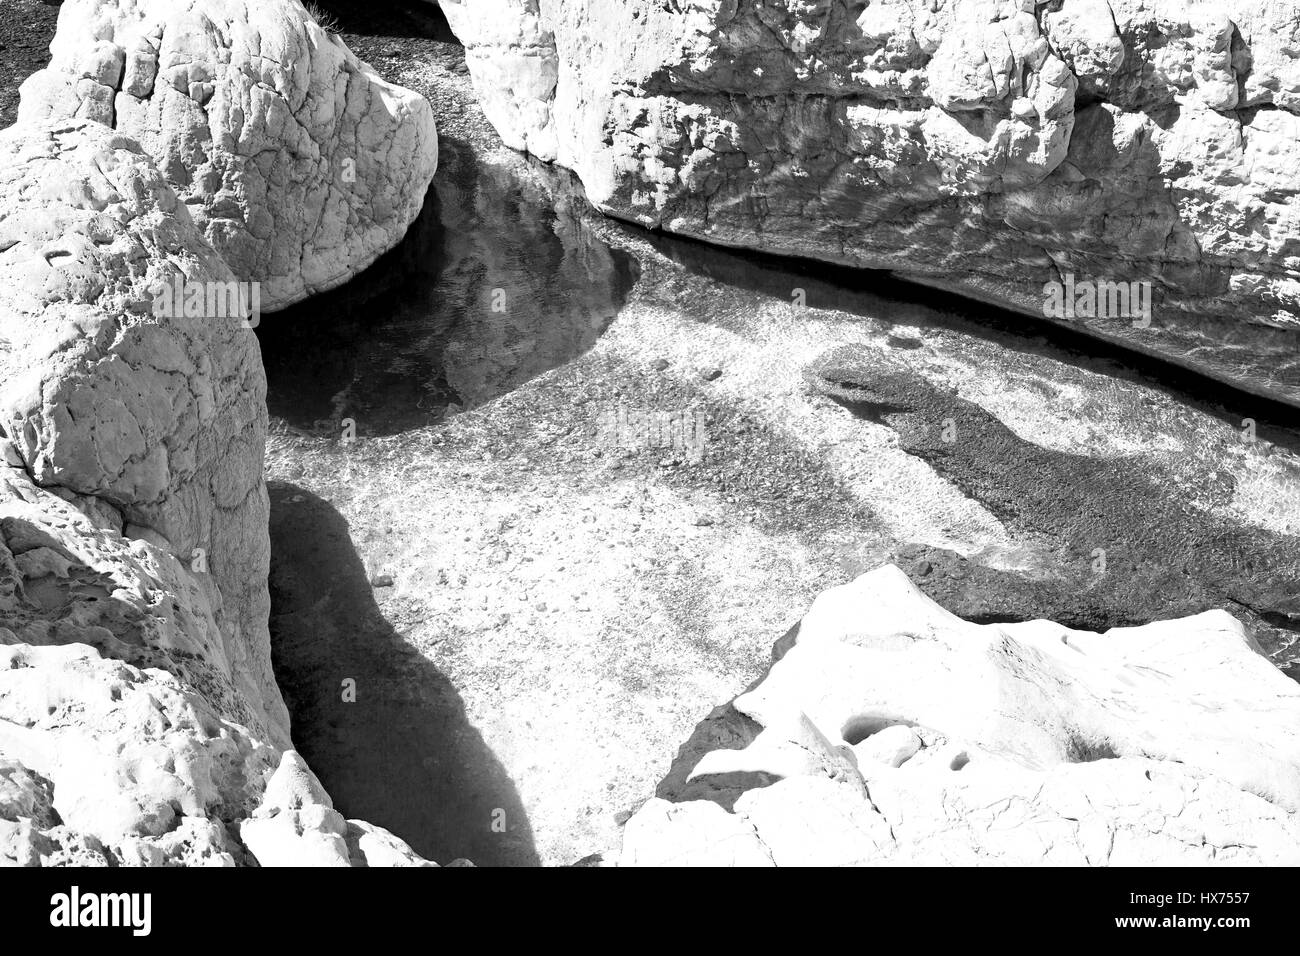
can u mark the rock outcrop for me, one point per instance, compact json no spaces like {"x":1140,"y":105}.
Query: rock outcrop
{"x":989,"y":146}
{"x":890,"y":731}
{"x":299,"y":164}
{"x":140,"y":722}
{"x":155,"y":427}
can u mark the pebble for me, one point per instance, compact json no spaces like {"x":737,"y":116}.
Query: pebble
{"x":712,"y":374}
{"x":381,"y":581}
{"x":923,"y":568}
{"x":660,"y":364}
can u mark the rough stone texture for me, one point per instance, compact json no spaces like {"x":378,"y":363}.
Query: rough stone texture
{"x":140,"y":723}
{"x":122,"y":737}
{"x":300,"y":165}
{"x":297,"y":825}
{"x":981,"y":145}
{"x":891,"y":731}
{"x":155,"y":427}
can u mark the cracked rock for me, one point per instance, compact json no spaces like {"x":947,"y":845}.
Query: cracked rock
{"x":299,"y":164}
{"x":154,"y":426}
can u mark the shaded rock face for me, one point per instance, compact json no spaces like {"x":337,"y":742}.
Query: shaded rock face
{"x":299,"y":164}
{"x":140,"y":722}
{"x":890,"y":731}
{"x":990,"y":147}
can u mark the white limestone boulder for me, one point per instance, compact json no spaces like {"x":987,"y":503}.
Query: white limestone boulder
{"x":299,"y":164}
{"x":154,"y":425}
{"x":893,"y":732}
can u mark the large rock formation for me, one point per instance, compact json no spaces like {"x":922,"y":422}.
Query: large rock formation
{"x":153,"y":426}
{"x":300,"y":165}
{"x":140,"y":722}
{"x":890,"y":731}
{"x":992,"y":146}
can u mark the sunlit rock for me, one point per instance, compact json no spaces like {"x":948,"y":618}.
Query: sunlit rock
{"x":894,"y":732}
{"x":986,"y":146}
{"x":299,"y":164}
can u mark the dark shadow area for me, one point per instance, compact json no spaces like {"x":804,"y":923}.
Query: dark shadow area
{"x":885,"y":297}
{"x":402,"y":755}
{"x":724,"y":729}
{"x":495,"y":283}
{"x":418,"y":19}
{"x":1120,"y":544}
{"x":26,"y":29}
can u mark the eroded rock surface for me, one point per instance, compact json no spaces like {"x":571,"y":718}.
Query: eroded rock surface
{"x":891,"y":731}
{"x":299,"y":164}
{"x":123,"y":741}
{"x":992,"y":146}
{"x":153,"y":426}
{"x":140,"y":723}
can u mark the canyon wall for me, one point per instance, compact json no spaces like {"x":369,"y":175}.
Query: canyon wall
{"x":988,"y":146}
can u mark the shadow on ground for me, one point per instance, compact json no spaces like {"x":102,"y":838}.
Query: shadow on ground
{"x":386,"y":18}
{"x":1120,"y":543}
{"x":402,"y":755}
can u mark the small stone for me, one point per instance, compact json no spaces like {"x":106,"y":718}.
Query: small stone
{"x":622,"y":817}
{"x":712,"y":374}
{"x":381,"y":581}
{"x":903,"y":342}
{"x":703,"y":521}
{"x":659,"y":364}
{"x":923,"y":568}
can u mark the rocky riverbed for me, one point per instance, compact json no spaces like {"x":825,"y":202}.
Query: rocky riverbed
{"x":546,"y":592}
{"x":544,"y":488}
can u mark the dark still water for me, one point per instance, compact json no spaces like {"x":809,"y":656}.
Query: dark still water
{"x":495,"y":283}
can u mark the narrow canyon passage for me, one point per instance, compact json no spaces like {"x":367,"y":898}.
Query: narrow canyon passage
{"x":538,"y":591}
